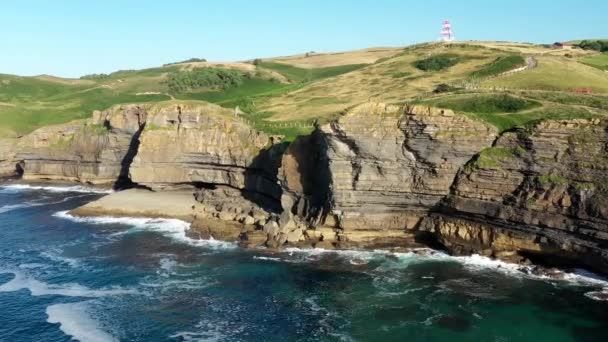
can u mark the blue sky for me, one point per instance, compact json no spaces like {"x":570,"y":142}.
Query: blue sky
{"x":76,"y":37}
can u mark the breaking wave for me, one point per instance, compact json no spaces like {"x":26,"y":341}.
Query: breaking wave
{"x":22,"y":281}
{"x":172,"y":228}
{"x":50,"y":188}
{"x":75,"y":320}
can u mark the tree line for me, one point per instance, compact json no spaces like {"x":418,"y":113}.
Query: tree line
{"x":597,"y":45}
{"x":212,"y":78}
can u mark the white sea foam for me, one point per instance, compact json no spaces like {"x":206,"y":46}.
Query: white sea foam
{"x":49,"y":188}
{"x":55,"y":256}
{"x":266,"y":258}
{"x":11,"y":207}
{"x":39,"y":288}
{"x":473,"y":262}
{"x":601,"y":296}
{"x":173,"y":228}
{"x":76,"y":320}
{"x":33,"y":265}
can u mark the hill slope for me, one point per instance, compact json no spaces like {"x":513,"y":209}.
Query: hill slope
{"x":284,"y":95}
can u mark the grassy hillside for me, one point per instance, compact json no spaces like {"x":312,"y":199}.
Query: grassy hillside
{"x":599,"y":61}
{"x":507,"y":111}
{"x":555,"y":73}
{"x":284,"y":95}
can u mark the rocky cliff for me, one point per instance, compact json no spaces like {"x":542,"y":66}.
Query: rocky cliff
{"x":379,"y":176}
{"x":539,"y":193}
{"x":389,"y":167}
{"x":203,"y":144}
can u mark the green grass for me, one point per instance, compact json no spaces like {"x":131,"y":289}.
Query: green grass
{"x":510,"y":113}
{"x":588,"y":100}
{"x":298,"y":75}
{"x":236,"y":95}
{"x":500,"y":65}
{"x":505,"y":122}
{"x":555,"y":74}
{"x":598,"y":61}
{"x":486,"y":103}
{"x":552,"y":179}
{"x":65,"y":104}
{"x":437,"y":62}
{"x":493,"y":157}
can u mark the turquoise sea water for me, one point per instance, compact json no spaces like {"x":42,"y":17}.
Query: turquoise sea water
{"x":109,"y":279}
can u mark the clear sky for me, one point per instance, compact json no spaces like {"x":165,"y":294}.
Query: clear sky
{"x":76,"y":37}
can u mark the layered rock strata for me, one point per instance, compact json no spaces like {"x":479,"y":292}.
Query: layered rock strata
{"x":388,"y":167}
{"x":539,"y":193}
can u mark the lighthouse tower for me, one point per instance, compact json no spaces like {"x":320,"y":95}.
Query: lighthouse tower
{"x":446,"y":32}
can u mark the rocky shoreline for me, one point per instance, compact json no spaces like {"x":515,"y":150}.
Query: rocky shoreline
{"x":380,"y":176}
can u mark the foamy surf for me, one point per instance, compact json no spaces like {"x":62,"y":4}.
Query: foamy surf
{"x":22,"y":281}
{"x":76,"y":320}
{"x":474,"y":262}
{"x":50,"y":188}
{"x":11,"y":207}
{"x":172,"y":228}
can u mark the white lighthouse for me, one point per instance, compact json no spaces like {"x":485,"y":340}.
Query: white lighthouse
{"x":446,"y":32}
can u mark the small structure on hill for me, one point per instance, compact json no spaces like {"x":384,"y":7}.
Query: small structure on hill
{"x":564,"y":46}
{"x":446,"y":32}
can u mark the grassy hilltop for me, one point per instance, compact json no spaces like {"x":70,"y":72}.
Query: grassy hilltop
{"x":284,"y":95}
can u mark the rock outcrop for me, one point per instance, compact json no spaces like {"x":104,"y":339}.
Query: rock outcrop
{"x":8,"y":167}
{"x":204,"y":144}
{"x":389,"y":168}
{"x":540,"y":194}
{"x":92,"y":151}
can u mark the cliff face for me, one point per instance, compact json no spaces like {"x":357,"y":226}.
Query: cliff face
{"x":379,"y":176}
{"x":7,"y":156}
{"x":93,"y":151}
{"x":388,"y":169}
{"x":540,"y":193}
{"x":203,"y":144}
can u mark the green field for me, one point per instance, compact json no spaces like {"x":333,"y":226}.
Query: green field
{"x":280,"y":97}
{"x":557,"y":74}
{"x":299,"y":75}
{"x":599,"y":61}
{"x":506,"y":112}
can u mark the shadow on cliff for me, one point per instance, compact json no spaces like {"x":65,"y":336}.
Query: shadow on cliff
{"x":261,"y":182}
{"x":124,"y":181}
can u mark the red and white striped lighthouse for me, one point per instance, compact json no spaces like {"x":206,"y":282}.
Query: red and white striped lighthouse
{"x":446,"y":32}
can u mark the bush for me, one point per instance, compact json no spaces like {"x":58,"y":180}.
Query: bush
{"x":503,"y":103}
{"x":500,"y":65}
{"x":443,"y":88}
{"x":437,"y":62}
{"x":94,"y":77}
{"x":191,"y":60}
{"x":212,"y":78}
{"x":597,"y":45}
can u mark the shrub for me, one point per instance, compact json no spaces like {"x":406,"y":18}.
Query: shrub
{"x":437,"y":62}
{"x":597,"y":45}
{"x":184,"y":81}
{"x":500,"y":65}
{"x":443,"y":88}
{"x":191,"y":60}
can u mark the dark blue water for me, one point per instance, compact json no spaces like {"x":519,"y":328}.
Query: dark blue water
{"x":144,"y":280}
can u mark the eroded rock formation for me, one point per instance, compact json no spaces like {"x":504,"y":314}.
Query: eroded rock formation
{"x":389,"y":167}
{"x":539,"y":193}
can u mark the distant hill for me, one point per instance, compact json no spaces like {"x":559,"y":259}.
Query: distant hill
{"x":279,"y":94}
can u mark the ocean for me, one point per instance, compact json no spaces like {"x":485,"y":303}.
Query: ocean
{"x":134,"y":279}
